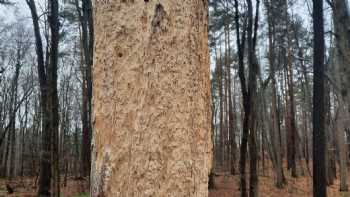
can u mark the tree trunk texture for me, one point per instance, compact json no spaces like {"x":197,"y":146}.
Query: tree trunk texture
{"x":52,"y":104}
{"x":152,"y":129}
{"x":341,"y":20}
{"x":319,"y":135}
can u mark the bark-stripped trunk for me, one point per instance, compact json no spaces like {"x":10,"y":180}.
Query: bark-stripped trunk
{"x":152,"y":127}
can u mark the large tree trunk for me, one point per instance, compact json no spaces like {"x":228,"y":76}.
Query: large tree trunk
{"x":319,"y":137}
{"x":53,"y":96}
{"x":152,"y":134}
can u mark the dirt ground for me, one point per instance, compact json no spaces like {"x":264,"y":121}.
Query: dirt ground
{"x":26,"y":188}
{"x":226,"y":186}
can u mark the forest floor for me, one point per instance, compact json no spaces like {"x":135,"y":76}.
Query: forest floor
{"x":226,"y":186}
{"x":26,"y":188}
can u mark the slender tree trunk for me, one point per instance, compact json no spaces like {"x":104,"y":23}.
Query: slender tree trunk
{"x":24,"y":132}
{"x":221,"y":97}
{"x":245,"y":130}
{"x":291,"y":125}
{"x":45,"y":160}
{"x":87,"y":36}
{"x":329,"y":149}
{"x":231,"y":123}
{"x":13,"y":152}
{"x":275,"y":138}
{"x":252,"y":93}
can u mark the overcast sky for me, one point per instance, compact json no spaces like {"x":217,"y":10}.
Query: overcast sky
{"x":21,"y":9}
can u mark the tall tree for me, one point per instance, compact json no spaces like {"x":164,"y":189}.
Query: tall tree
{"x":319,"y":136}
{"x":45,"y":160}
{"x":152,"y":134}
{"x":290,"y":101}
{"x":53,"y":95}
{"x":272,"y":11}
{"x":87,"y":40}
{"x":249,"y":92}
{"x":13,"y":103}
{"x":47,"y":73}
{"x":341,"y":21}
{"x":240,"y":40}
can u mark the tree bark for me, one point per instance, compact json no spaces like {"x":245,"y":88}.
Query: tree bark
{"x":341,"y":20}
{"x":319,"y":137}
{"x":253,"y":64}
{"x":53,"y":96}
{"x":152,"y":115}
